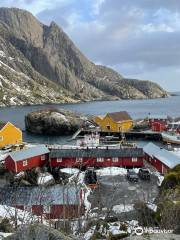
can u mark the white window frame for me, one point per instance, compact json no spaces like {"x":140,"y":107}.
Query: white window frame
{"x":46,"y":209}
{"x":115,"y":159}
{"x":25,"y":163}
{"x":99,"y":159}
{"x":43,"y":157}
{"x":79,"y":159}
{"x":134,"y":159}
{"x":1,"y":138}
{"x":59,"y":159}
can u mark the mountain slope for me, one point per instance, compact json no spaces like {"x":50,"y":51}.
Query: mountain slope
{"x":46,"y":63}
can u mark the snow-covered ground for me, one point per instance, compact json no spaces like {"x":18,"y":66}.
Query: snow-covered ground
{"x":123,"y":208}
{"x":113,"y":171}
{"x":4,"y":235}
{"x":70,"y":170}
{"x":23,"y":217}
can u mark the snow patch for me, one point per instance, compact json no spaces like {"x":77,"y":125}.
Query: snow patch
{"x":23,"y":217}
{"x":45,"y":178}
{"x":113,"y":171}
{"x":87,"y":204}
{"x":152,"y":206}
{"x":123,"y":208}
{"x":2,"y":54}
{"x":70,"y":170}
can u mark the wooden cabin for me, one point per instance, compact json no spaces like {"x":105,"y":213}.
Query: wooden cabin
{"x":160,"y":158}
{"x":158,"y":123}
{"x":9,"y":134}
{"x":54,"y":202}
{"x":27,"y":159}
{"x":115,"y":122}
{"x":96,"y":157}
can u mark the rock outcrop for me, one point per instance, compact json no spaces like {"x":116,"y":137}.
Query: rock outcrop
{"x":40,"y":64}
{"x":39,"y":232}
{"x":54,"y":122}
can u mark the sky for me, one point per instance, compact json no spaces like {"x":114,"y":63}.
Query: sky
{"x":138,"y":38}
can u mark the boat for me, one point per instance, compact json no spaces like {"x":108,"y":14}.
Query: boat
{"x":174,"y":127}
{"x":172,"y":138}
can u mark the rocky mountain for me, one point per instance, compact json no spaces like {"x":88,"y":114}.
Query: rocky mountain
{"x":40,"y":64}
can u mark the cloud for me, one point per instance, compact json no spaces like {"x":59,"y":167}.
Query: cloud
{"x":136,"y":37}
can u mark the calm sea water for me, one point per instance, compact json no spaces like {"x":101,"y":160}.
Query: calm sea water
{"x":136,"y":108}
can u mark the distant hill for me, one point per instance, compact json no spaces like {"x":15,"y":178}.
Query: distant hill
{"x":40,"y":64}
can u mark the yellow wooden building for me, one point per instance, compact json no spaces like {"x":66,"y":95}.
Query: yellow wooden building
{"x":9,"y":134}
{"x":115,"y":122}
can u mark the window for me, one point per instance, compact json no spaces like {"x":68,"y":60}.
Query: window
{"x":115,"y":159}
{"x":100,"y":159}
{"x":59,"y":159}
{"x":1,"y":138}
{"x":79,"y":159}
{"x":43,"y":157}
{"x":47,"y":209}
{"x":108,"y":127}
{"x":134,"y":159}
{"x":25,"y":163}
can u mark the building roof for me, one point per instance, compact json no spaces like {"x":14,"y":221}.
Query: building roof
{"x":120,"y":116}
{"x":95,"y":153}
{"x":165,"y":156}
{"x":53,"y":195}
{"x":29,"y":152}
{"x":158,"y":116}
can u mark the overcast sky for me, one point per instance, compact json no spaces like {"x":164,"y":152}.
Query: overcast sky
{"x":138,"y":38}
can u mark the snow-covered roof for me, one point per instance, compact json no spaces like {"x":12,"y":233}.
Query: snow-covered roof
{"x":29,"y":152}
{"x":53,"y":195}
{"x":166,"y":157}
{"x":157,"y":116}
{"x":96,"y":152}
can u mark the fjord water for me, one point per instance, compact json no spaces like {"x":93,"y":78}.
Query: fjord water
{"x":137,"y":109}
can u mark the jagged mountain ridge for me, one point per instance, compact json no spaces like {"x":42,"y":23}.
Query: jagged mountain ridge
{"x":47,"y":64}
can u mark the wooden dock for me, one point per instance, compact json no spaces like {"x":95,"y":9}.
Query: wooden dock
{"x":131,"y":135}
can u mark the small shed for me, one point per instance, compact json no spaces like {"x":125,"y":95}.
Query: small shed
{"x":53,"y":202}
{"x":160,"y":158}
{"x":115,"y":122}
{"x":27,"y":159}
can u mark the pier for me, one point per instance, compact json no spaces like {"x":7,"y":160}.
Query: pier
{"x":117,"y":136}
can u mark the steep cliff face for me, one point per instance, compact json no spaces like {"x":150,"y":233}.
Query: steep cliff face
{"x":47,"y":56}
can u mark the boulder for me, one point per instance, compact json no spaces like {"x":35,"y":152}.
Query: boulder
{"x":54,"y":122}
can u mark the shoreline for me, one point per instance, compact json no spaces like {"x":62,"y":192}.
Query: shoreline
{"x":88,"y":101}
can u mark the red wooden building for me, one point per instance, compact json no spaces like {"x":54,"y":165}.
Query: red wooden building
{"x":26,"y":159}
{"x":158,"y":123}
{"x":160,"y":158}
{"x":97,"y":157}
{"x":55,"y":202}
